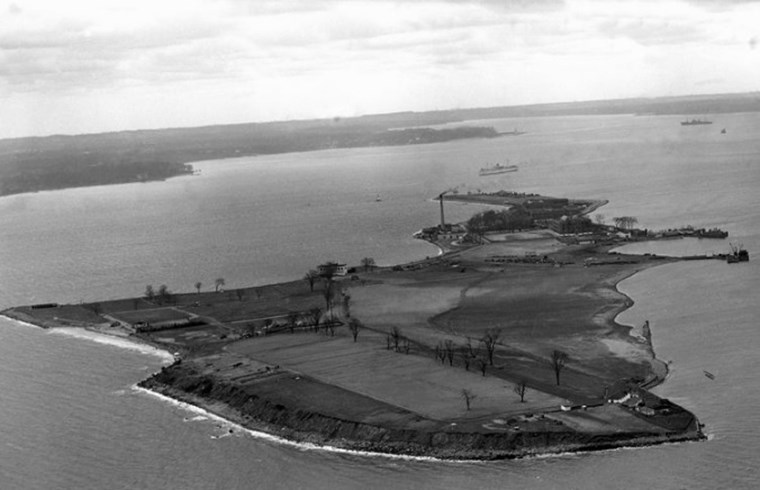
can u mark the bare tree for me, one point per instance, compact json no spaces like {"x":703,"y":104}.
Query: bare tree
{"x":328,"y":293}
{"x":489,"y":342}
{"x":558,"y":361}
{"x":470,"y":348}
{"x":368,"y":263}
{"x":468,"y":396}
{"x":407,"y":345}
{"x":293,"y":317}
{"x":354,"y":325}
{"x":346,"y":303}
{"x":625,"y":222}
{"x":218,"y":283}
{"x":482,"y":365}
{"x":240,"y":294}
{"x":440,"y":352}
{"x":149,"y":292}
{"x":315,"y":315}
{"x":599,"y":217}
{"x":520,"y":388}
{"x":311,"y":277}
{"x":448,"y":346}
{"x":464,"y":353}
{"x":198,"y":286}
{"x":395,"y":337}
{"x":163,"y":294}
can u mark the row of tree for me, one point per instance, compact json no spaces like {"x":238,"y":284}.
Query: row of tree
{"x":491,"y":220}
{"x":448,"y":351}
{"x":625,"y":222}
{"x":163,"y":295}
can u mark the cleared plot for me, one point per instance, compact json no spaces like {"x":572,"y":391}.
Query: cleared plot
{"x":72,"y":313}
{"x":508,"y":244}
{"x":190,"y":336}
{"x":156,"y":315}
{"x":251,"y":307}
{"x":405,"y":302}
{"x":604,"y":419}
{"x":415,"y":383}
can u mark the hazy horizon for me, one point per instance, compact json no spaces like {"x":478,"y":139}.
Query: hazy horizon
{"x":88,"y":66}
{"x":449,"y":109}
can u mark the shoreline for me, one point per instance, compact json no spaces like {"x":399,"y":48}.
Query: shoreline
{"x":453,"y":451}
{"x":267,"y":432}
{"x":271,"y":412}
{"x":294,"y":438}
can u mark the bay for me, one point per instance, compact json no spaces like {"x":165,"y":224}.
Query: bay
{"x":70,"y":417}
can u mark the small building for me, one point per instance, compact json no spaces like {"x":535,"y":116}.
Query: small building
{"x":571,"y":225}
{"x":333,"y":268}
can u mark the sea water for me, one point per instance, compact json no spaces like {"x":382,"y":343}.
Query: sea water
{"x":71,"y":417}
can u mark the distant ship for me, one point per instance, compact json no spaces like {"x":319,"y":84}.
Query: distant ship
{"x":497,"y":169}
{"x":695,"y":122}
{"x":711,"y":233}
{"x":738,"y":254}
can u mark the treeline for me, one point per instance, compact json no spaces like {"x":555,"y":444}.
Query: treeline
{"x":80,"y":172}
{"x":55,"y":162}
{"x":512,"y":219}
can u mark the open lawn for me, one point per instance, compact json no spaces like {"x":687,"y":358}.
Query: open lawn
{"x":415,"y":383}
{"x":154,"y":315}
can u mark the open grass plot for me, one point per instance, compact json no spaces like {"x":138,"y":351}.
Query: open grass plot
{"x":155,"y":315}
{"x":415,"y":383}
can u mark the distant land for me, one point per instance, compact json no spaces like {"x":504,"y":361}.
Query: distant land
{"x":62,"y":161}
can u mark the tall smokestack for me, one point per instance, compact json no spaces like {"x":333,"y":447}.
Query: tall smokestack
{"x":440,"y":199}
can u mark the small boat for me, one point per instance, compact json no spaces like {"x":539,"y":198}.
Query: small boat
{"x":497,"y":169}
{"x":378,"y":198}
{"x":723,"y":131}
{"x":709,"y":374}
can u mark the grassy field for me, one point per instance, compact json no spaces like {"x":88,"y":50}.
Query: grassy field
{"x":415,"y":383}
{"x":153,"y":315}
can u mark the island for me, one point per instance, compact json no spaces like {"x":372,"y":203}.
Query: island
{"x":503,"y":346}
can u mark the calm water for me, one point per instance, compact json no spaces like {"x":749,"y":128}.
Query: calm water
{"x":70,"y":418}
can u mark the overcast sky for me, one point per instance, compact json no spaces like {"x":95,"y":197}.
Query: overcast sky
{"x":74,"y":66}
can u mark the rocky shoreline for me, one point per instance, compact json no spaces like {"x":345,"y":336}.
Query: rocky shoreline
{"x":300,"y":425}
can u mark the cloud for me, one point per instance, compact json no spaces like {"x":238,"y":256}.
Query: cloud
{"x":652,"y":32}
{"x":721,"y":4}
{"x":363,"y":55}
